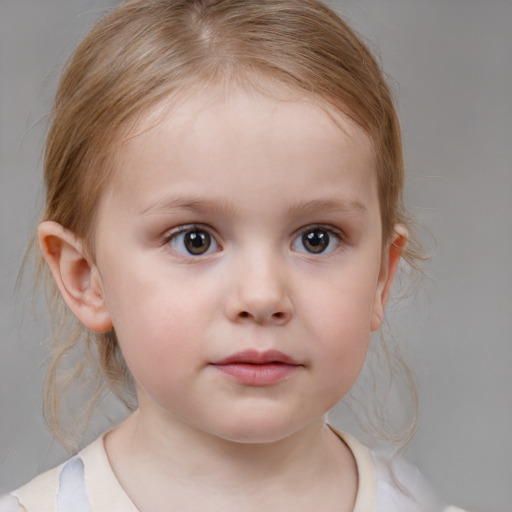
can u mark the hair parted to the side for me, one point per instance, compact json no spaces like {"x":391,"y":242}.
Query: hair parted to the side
{"x":146,"y":51}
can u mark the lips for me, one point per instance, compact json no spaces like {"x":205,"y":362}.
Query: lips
{"x":255,"y":357}
{"x":254,"y":368}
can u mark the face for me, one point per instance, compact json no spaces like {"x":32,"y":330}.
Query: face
{"x":240,"y":257}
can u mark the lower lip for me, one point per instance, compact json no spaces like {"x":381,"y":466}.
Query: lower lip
{"x":258,"y":374}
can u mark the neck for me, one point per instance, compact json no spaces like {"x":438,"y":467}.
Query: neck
{"x":193,"y":453}
{"x":168,"y":452}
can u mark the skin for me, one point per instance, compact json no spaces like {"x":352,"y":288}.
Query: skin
{"x":254,"y":174}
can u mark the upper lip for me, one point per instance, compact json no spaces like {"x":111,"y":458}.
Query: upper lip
{"x":253,"y":356}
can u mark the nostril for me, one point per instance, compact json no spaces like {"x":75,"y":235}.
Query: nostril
{"x":279,"y":315}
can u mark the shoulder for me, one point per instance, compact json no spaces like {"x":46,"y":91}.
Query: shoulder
{"x":84,"y":483}
{"x":39,"y":494}
{"x":391,"y":483}
{"x":401,"y":487}
{"x":59,"y":489}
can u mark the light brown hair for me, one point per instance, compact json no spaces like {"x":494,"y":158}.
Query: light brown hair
{"x":147,"y":50}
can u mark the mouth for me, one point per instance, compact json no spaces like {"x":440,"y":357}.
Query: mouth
{"x":254,"y":368}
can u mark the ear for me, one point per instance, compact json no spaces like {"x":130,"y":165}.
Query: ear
{"x":390,"y":260}
{"x":78,"y":280}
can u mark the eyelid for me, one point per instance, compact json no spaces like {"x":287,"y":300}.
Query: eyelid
{"x":338,"y":233}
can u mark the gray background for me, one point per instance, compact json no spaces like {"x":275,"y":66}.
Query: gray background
{"x":452,"y":69}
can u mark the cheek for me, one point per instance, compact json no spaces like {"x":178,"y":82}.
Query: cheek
{"x":159,"y":330}
{"x":340,"y":319}
{"x":344,"y":350}
{"x":342,"y":309}
{"x":342,"y":358}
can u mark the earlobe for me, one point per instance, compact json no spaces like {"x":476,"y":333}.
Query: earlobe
{"x":77,"y":279}
{"x":389,"y":266}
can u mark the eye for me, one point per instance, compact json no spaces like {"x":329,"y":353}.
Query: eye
{"x":317,"y":240}
{"x":193,"y":241}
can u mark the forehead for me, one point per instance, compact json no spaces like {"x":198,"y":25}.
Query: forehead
{"x":265,"y":105}
{"x":244,"y":139}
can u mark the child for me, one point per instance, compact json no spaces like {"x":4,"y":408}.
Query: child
{"x":224,"y":217}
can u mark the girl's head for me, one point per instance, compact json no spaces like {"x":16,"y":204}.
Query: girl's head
{"x":157,"y":65}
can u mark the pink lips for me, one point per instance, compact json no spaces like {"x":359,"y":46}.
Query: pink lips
{"x":255,"y":368}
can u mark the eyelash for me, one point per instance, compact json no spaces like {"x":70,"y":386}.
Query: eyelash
{"x":172,"y":238}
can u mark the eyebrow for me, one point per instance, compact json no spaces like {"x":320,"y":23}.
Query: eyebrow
{"x":188,"y":202}
{"x":329,"y":205}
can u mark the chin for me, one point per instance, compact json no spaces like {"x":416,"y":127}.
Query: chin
{"x":257,"y":429}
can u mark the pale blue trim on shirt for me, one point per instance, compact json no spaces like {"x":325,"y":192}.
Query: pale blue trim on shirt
{"x":72,"y":495}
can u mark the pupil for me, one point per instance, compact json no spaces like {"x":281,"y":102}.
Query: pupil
{"x":316,"y":241}
{"x":197,"y":242}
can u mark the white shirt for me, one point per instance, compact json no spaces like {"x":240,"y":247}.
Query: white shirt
{"x":87,"y":483}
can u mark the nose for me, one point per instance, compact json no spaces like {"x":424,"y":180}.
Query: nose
{"x":260,"y":293}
